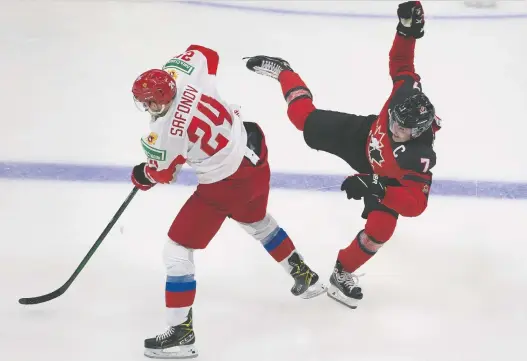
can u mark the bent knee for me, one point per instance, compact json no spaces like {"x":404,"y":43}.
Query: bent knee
{"x":179,"y":260}
{"x":263,"y":229}
{"x":379,"y":228}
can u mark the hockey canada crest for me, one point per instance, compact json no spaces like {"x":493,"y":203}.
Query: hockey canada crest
{"x":375,"y":147}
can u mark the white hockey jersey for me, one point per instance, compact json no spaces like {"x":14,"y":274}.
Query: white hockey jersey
{"x":199,"y":128}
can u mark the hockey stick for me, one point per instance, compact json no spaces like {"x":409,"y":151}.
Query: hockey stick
{"x":58,"y":292}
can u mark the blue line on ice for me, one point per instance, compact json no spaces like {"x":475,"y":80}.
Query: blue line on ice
{"x":281,"y":180}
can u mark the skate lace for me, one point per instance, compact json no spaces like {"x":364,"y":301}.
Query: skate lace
{"x":165,"y":334}
{"x":272,"y":66}
{"x":349,"y":280}
{"x":300,"y":269}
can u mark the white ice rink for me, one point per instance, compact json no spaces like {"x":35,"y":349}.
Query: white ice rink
{"x":450,"y":285}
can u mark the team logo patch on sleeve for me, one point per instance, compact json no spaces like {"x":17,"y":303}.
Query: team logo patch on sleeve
{"x":173,"y":73}
{"x":152,"y":138}
{"x":153,"y":153}
{"x":179,"y":65}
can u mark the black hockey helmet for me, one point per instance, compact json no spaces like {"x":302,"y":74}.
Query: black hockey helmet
{"x":415,"y":112}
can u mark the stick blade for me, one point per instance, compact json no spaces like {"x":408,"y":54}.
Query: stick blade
{"x":40,"y":299}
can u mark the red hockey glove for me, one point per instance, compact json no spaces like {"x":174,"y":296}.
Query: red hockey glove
{"x":140,"y":179}
{"x":411,"y":19}
{"x":361,"y":185}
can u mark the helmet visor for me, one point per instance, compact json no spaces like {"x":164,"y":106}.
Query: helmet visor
{"x":151,"y":107}
{"x":397,"y":128}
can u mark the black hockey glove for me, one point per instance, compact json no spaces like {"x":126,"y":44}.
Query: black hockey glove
{"x":266,"y":65}
{"x":139,"y":178}
{"x":411,"y":19}
{"x":361,"y":185}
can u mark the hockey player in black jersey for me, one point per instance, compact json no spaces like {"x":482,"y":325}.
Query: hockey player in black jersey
{"x":392,"y":151}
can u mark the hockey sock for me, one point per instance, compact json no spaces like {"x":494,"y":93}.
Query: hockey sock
{"x":180,"y":292}
{"x":379,"y":229}
{"x":298,"y":97}
{"x":354,"y":256}
{"x":279,"y":246}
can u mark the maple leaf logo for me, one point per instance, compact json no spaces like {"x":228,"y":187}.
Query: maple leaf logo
{"x":375,"y":147}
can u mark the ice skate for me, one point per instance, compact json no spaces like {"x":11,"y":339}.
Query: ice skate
{"x":307,"y":283}
{"x":267,"y":65}
{"x":344,"y":287}
{"x":176,"y":343}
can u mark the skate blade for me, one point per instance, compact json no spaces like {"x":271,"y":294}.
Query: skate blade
{"x":314,"y":290}
{"x":338,"y":296}
{"x":177,"y":352}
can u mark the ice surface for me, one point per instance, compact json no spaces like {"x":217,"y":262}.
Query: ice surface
{"x":450,"y":285}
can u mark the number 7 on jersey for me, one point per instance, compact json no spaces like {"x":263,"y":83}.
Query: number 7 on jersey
{"x":426,"y":162}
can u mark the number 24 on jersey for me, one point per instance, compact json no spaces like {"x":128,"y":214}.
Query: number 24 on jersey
{"x":206,"y":122}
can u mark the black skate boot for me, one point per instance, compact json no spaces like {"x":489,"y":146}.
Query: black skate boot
{"x":307,"y":284}
{"x":176,"y":343}
{"x":344,"y":287}
{"x":267,"y":65}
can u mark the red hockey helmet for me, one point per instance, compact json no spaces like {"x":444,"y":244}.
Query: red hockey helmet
{"x":154,"y":90}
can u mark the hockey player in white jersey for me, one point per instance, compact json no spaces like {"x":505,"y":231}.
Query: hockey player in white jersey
{"x":190,"y":123}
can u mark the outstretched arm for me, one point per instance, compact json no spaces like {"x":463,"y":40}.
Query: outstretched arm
{"x":402,"y":57}
{"x":410,"y":27}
